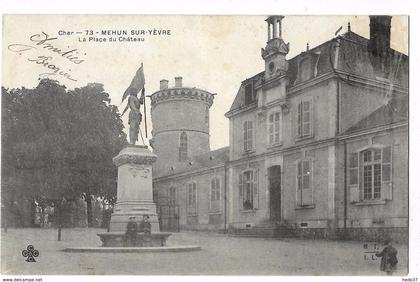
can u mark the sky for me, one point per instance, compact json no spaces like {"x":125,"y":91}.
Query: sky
{"x":214,"y":53}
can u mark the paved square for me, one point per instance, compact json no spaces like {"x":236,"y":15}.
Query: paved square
{"x":220,"y":255}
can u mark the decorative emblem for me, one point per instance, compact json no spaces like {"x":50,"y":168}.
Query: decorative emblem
{"x":30,"y":253}
{"x":142,"y":172}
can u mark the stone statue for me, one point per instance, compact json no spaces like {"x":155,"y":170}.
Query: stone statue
{"x":134,"y":117}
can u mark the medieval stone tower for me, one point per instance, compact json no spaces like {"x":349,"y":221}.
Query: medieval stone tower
{"x":180,"y":117}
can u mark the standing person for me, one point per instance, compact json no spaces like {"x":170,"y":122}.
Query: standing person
{"x":131,"y":233}
{"x":389,"y":258}
{"x":38,"y":212}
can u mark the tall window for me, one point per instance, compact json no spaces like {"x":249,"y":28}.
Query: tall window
{"x":248,"y":190}
{"x":172,"y":196}
{"x":376,"y":168}
{"x":304,"y":183}
{"x":248,"y":135}
{"x":249,"y":94}
{"x":183,"y":146}
{"x":304,"y":118}
{"x":274,"y":128}
{"x":215,"y":194}
{"x":192,"y":198}
{"x":370,"y":174}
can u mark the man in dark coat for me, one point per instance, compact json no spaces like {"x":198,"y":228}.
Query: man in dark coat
{"x":146,"y":228}
{"x":389,"y":258}
{"x":131,"y":233}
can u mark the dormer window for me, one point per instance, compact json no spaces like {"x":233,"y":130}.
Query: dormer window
{"x":305,"y":69}
{"x":249,"y":94}
{"x":308,"y":66}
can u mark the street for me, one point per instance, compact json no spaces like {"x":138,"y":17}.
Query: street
{"x":219,"y":255}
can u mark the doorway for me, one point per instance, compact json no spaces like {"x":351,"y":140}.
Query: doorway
{"x":274,"y":185}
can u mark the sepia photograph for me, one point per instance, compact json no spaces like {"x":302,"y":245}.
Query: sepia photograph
{"x":235,"y":145}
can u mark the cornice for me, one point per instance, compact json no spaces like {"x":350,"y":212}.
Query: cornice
{"x":182,"y":94}
{"x":133,"y":159}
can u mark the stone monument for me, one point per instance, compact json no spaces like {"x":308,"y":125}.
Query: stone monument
{"x":134,"y":191}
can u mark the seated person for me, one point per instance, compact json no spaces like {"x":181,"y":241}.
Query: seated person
{"x":131,"y":232}
{"x":146,"y":228}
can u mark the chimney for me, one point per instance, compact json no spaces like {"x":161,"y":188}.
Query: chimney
{"x":380,"y":35}
{"x":163,"y":84}
{"x":178,"y":81}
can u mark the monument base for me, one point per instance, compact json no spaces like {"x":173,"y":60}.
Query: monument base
{"x":123,"y":211}
{"x":134,"y":192}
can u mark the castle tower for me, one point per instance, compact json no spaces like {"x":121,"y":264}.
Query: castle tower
{"x":274,"y":53}
{"x":180,"y":117}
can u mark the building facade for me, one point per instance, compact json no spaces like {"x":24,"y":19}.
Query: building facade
{"x":318,"y":144}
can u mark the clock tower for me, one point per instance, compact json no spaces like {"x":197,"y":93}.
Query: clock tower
{"x":274,"y":53}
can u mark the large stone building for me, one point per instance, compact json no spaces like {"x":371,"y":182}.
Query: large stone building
{"x":318,"y":144}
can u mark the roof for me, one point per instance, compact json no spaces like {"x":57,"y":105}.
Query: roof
{"x":202,"y":161}
{"x":353,"y":57}
{"x":393,"y":112}
{"x":239,"y":101}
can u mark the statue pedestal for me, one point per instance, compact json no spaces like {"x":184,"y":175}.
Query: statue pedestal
{"x":134,"y":192}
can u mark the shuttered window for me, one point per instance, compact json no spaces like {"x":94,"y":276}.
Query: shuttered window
{"x":248,"y":190}
{"x":248,"y":136}
{"x":354,"y":168}
{"x":304,"y":183}
{"x":370,"y":173}
{"x":215,"y":195}
{"x":304,"y":118}
{"x":274,"y":128}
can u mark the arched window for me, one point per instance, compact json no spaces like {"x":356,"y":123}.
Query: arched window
{"x":183,"y":146}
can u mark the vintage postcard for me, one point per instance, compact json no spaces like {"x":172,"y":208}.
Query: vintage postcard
{"x":205,"y":145}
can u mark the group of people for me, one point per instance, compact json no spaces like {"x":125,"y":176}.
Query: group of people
{"x":132,"y":229}
{"x":44,"y":217}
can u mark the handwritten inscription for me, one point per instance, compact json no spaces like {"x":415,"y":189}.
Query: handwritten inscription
{"x":43,"y":42}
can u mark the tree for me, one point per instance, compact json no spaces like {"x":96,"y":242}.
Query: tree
{"x":59,"y":143}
